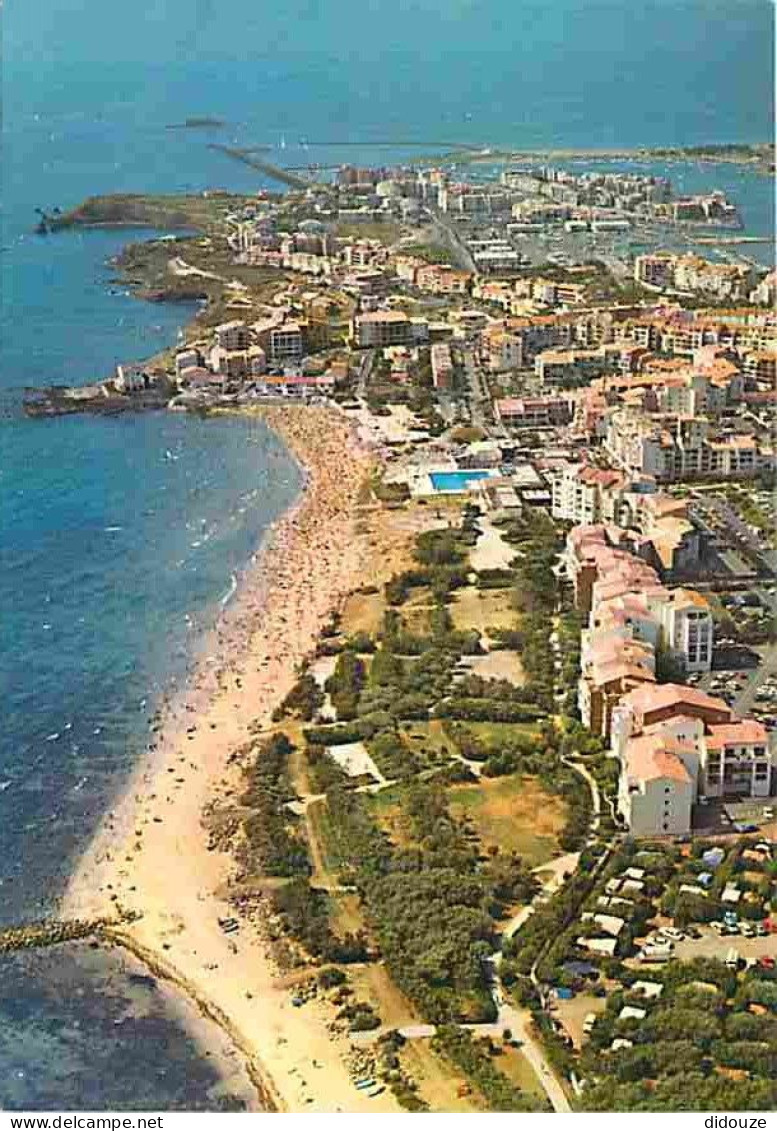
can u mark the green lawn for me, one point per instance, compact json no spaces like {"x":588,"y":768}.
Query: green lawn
{"x":483,"y":609}
{"x":502,"y":732}
{"x":517,"y":1069}
{"x":323,"y":831}
{"x":513,"y":813}
{"x":428,"y":738}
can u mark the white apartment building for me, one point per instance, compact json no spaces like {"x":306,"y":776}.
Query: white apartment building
{"x":232,"y":336}
{"x":442,"y":365}
{"x":766,"y":292}
{"x":187,"y":359}
{"x":737,"y":760}
{"x":656,"y":788}
{"x":504,"y":351}
{"x":380,"y":328}
{"x":583,"y":494}
{"x":668,"y":738}
{"x":688,"y":629}
{"x":680,"y":447}
{"x":130,"y":378}
{"x":287,"y":342}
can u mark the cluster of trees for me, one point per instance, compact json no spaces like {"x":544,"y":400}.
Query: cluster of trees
{"x":403,"y":688}
{"x":392,"y":756}
{"x":271,"y":844}
{"x":442,"y":580}
{"x":476,"y":687}
{"x":694,"y":1035}
{"x":304,"y":700}
{"x":518,"y":752}
{"x":431,"y":909}
{"x":537,"y":656}
{"x":487,"y":710}
{"x":510,"y":638}
{"x":535,"y":596}
{"x":391,"y":492}
{"x":304,"y":913}
{"x":577,"y":798}
{"x":323,"y":772}
{"x":556,"y":777}
{"x":685,"y":1091}
{"x":549,"y":922}
{"x":432,"y":901}
{"x":495,"y":578}
{"x":361,"y":1016}
{"x":440,"y":548}
{"x":341,"y":733}
{"x":345,"y":684}
{"x":535,"y":582}
{"x":569,"y":629}
{"x":475,"y":1058}
{"x":403,"y":1086}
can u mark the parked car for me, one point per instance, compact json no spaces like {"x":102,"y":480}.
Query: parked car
{"x":732,"y":959}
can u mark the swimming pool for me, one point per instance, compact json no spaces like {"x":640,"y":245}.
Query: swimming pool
{"x":456,"y":480}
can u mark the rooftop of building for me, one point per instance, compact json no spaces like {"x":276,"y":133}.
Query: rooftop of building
{"x":654,"y":757}
{"x":645,"y":700}
{"x":382,"y":316}
{"x":741,"y":732}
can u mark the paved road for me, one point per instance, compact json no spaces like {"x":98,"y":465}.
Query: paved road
{"x":479,"y":404}
{"x":558,"y":869}
{"x":518,"y":1022}
{"x":448,"y":235}
{"x":365,"y":369}
{"x":739,"y":530}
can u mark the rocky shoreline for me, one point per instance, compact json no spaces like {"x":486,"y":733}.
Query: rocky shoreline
{"x":96,"y":399}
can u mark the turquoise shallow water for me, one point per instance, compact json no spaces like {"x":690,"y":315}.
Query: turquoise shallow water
{"x":107,"y":545}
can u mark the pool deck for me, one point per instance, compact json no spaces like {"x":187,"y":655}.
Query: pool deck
{"x":422,"y":484}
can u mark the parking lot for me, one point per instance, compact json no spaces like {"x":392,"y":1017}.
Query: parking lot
{"x":733,"y":816}
{"x":705,"y":940}
{"x":746,"y":679}
{"x":712,"y":945}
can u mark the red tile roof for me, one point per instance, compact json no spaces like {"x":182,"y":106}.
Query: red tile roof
{"x":651,"y":758}
{"x":745,"y":732}
{"x":648,"y":699}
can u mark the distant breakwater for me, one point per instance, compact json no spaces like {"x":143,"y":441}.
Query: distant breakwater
{"x":53,"y":932}
{"x":275,"y":172}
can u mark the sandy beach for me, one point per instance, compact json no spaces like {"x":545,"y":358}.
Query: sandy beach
{"x":151,"y":854}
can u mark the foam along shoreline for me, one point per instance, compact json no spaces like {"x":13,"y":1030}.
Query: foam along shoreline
{"x":151,"y":854}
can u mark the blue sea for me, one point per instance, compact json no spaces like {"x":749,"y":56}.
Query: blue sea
{"x":120,"y":538}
